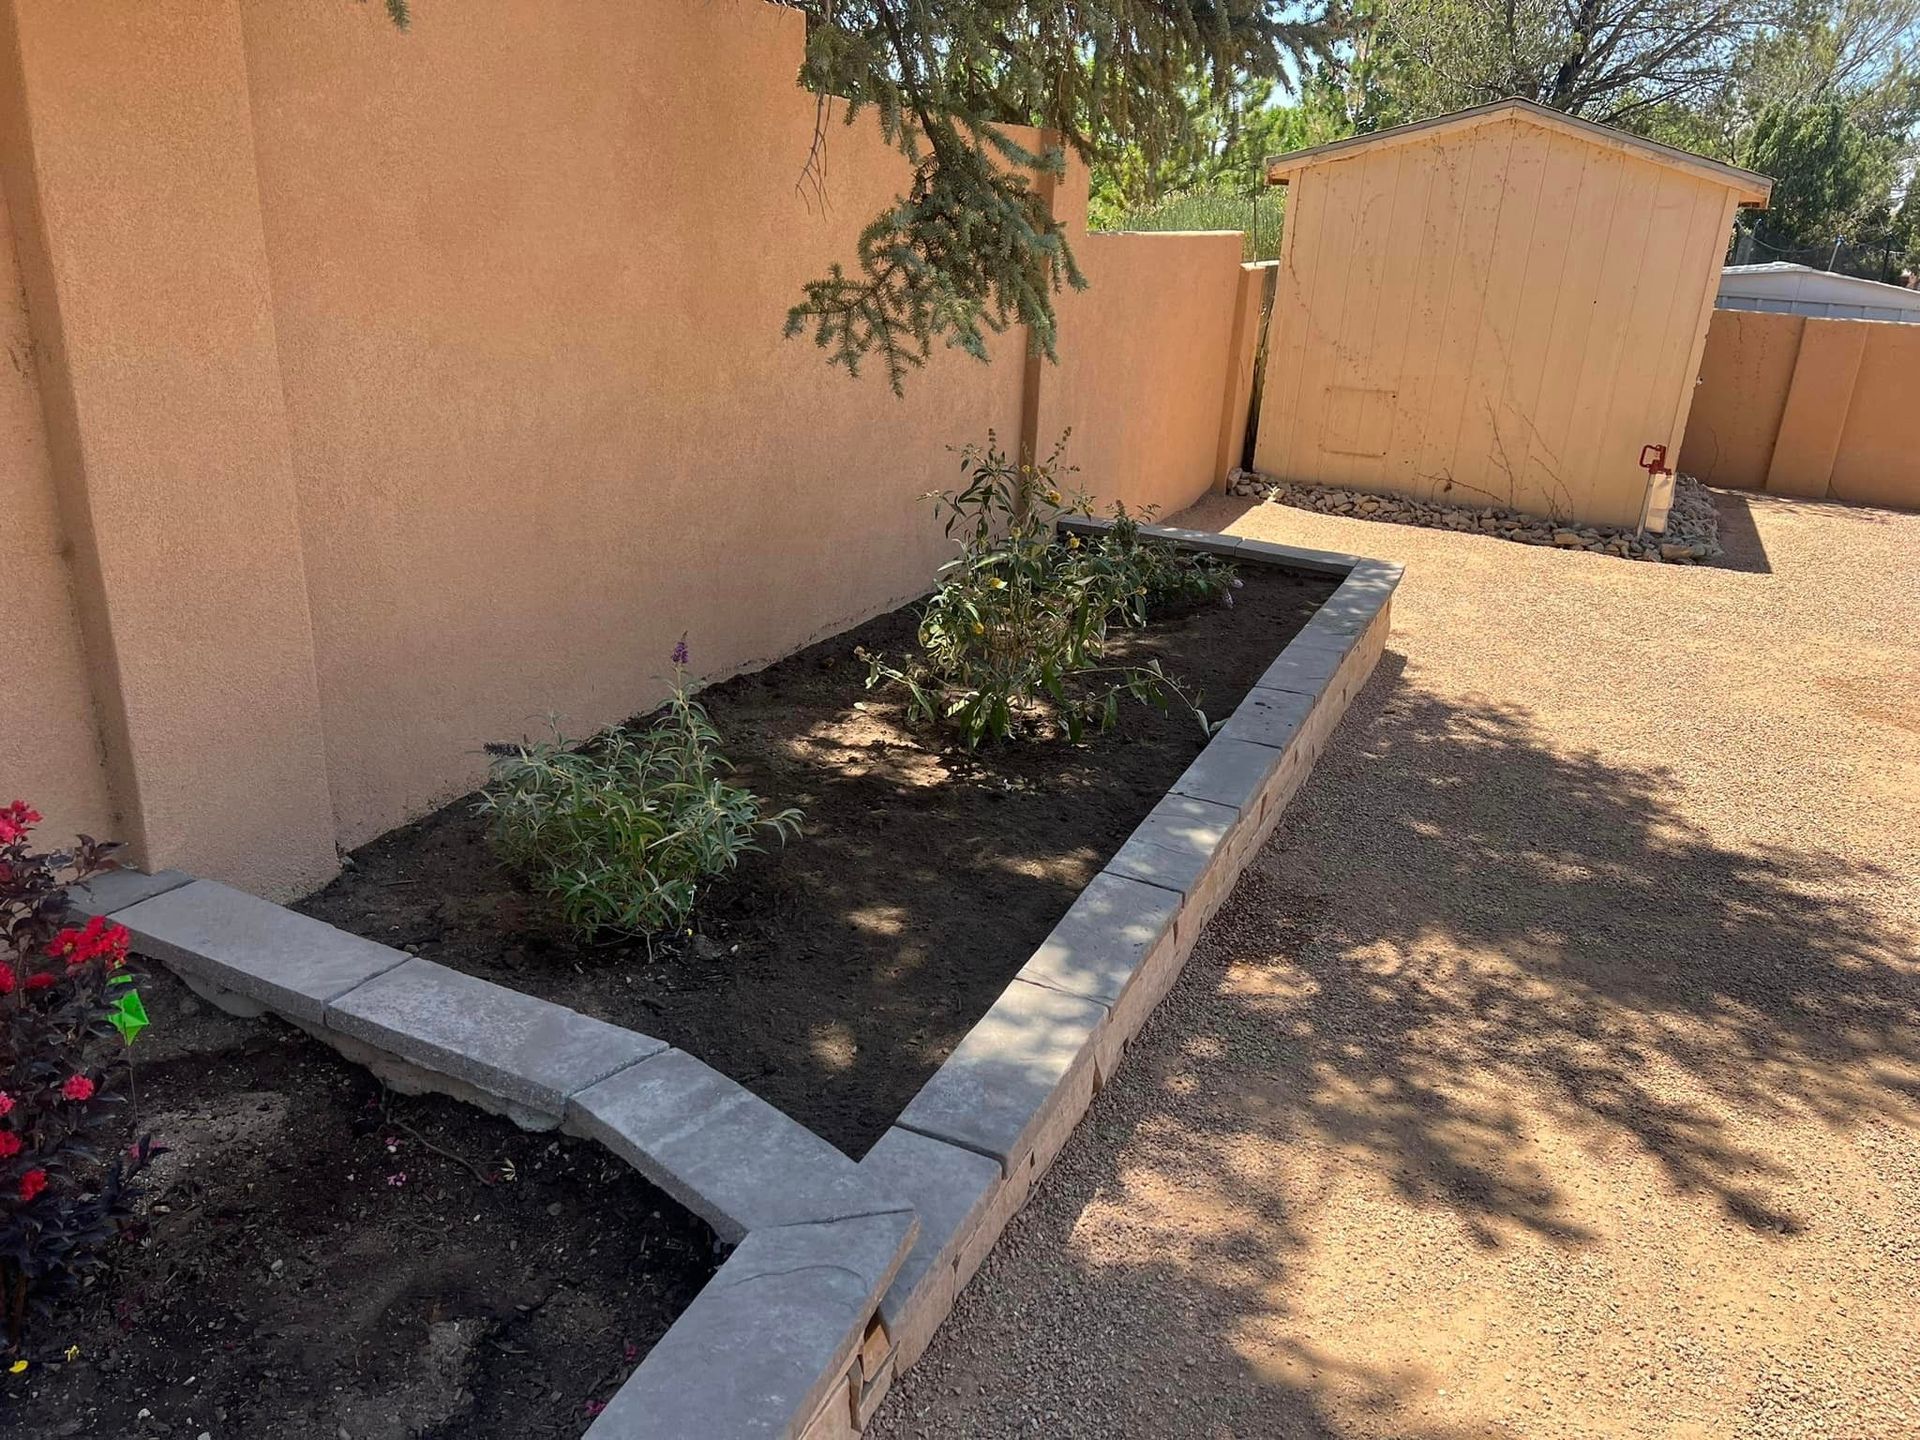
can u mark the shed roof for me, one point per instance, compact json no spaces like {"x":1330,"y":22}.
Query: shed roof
{"x":1750,"y":187}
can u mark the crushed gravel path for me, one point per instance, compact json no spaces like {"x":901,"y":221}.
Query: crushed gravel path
{"x":1556,"y":1069}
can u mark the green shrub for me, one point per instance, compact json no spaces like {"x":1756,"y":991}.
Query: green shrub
{"x":1162,"y":575}
{"x":619,"y":833}
{"x":1017,"y":630}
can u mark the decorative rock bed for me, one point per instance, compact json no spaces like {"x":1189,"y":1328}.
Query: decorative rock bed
{"x":1692,"y":533}
{"x":842,"y":1272}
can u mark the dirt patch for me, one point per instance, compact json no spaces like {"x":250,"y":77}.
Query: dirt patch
{"x":315,"y":1262}
{"x":833,"y":975}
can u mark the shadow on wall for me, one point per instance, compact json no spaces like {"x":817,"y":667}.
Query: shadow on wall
{"x":1484,"y":936}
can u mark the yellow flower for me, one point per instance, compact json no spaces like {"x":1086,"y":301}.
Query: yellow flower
{"x":16,"y":1367}
{"x":978,"y":628}
{"x":1073,"y":542}
{"x":1053,"y":497}
{"x":997,"y":583}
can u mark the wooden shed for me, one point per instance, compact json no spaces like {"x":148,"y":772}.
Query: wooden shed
{"x":1501,"y":306}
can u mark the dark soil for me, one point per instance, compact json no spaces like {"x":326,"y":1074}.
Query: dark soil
{"x":310,"y":1265}
{"x":834,"y":974}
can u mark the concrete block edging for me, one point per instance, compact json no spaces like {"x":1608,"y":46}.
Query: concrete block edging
{"x":841,"y":1273}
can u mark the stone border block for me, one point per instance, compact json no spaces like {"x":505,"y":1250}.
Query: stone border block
{"x":998,"y":1088}
{"x":239,"y":942}
{"x":1230,"y":771}
{"x":1104,"y":938}
{"x":763,"y":1347}
{"x":1174,"y":846}
{"x":723,"y":1152}
{"x":525,"y":1050}
{"x":1270,"y":718}
{"x":951,"y":1190}
{"x":119,"y":889}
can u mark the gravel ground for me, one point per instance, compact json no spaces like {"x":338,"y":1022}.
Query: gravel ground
{"x":1556,"y":1069}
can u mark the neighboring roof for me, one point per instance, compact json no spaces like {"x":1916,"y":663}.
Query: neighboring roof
{"x":1751,"y":188}
{"x":1787,"y":289}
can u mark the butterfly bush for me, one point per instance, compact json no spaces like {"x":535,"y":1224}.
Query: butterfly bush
{"x":68,"y":1180}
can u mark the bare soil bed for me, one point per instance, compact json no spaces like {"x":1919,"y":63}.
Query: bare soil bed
{"x":834,"y":974}
{"x":316,"y":1262}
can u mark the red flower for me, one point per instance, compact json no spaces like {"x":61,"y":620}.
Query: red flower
{"x":7,"y":982}
{"x":78,"y":945}
{"x":6,"y":1103}
{"x":32,"y":1183}
{"x":39,"y":981}
{"x":9,"y":1144}
{"x":77,"y":1087}
{"x":15,"y":820}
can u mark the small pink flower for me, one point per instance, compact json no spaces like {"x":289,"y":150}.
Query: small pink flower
{"x":397,"y":1179}
{"x":9,"y":1144}
{"x":32,"y":1183}
{"x":78,"y":1087}
{"x":6,"y":1103}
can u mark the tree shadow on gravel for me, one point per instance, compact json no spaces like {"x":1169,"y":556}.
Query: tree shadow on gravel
{"x":1461,"y":934}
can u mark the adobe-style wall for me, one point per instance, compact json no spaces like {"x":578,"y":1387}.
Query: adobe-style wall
{"x":49,"y":739}
{"x":400,"y":390}
{"x":1799,"y":405}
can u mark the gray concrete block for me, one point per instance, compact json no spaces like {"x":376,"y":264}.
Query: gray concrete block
{"x":117,"y":889}
{"x":724,"y":1153}
{"x":1102,"y":940}
{"x":1230,"y":771}
{"x":997,"y":1088}
{"x":1273,"y":718}
{"x":950,"y":1190}
{"x":1295,"y":557}
{"x":1176,"y":843}
{"x":516,"y":1046}
{"x":762,"y":1347}
{"x":255,"y":948}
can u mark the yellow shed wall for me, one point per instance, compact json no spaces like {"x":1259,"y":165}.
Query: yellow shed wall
{"x":1503,"y":314}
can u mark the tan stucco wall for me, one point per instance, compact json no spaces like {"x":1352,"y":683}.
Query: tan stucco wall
{"x":543,"y":417}
{"x":1147,"y":366}
{"x":127,"y":134}
{"x":50,"y":751}
{"x":1818,"y":408}
{"x":1502,"y":314}
{"x":400,"y":390}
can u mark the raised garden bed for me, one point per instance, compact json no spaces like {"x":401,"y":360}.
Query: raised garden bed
{"x":315,"y":1261}
{"x":834,"y":974}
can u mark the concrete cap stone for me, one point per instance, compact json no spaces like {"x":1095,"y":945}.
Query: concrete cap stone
{"x":993,"y":1092}
{"x":1229,"y":771}
{"x":949,"y":1189}
{"x":507,"y":1043}
{"x":723,"y":1152}
{"x":117,"y":889}
{"x":1268,"y":717}
{"x":771,"y":1334}
{"x":255,"y":948}
{"x":1175,"y":844}
{"x":1098,"y":946}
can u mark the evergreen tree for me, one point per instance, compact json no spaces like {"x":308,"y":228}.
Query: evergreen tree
{"x":971,"y":247}
{"x":1825,"y":172}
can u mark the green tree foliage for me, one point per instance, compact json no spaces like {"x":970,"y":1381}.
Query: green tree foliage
{"x":1824,"y":169}
{"x":970,"y":248}
{"x":1604,"y":60}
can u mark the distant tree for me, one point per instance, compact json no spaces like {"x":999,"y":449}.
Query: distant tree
{"x":1604,"y":60}
{"x":1825,"y":172}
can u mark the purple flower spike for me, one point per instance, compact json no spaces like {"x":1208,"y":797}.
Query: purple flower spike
{"x":680,"y":651}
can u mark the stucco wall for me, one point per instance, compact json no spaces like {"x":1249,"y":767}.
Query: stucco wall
{"x":1501,"y":313}
{"x":50,"y":752}
{"x":1148,"y":366}
{"x":1798,"y":405}
{"x":403,"y":389}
